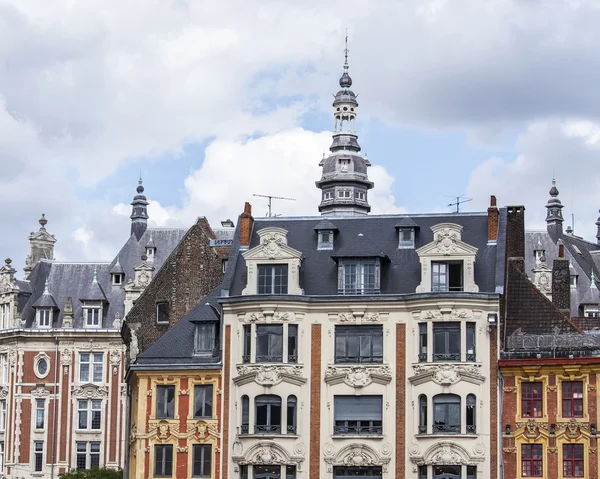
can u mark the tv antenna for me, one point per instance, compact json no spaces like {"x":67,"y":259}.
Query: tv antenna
{"x":458,"y":201}
{"x":273,"y":198}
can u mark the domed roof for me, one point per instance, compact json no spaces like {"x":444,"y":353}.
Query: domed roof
{"x":345,"y":80}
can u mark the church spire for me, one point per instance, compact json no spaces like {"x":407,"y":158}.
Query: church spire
{"x":139,"y":212}
{"x":344,"y":182}
{"x":554,"y":218}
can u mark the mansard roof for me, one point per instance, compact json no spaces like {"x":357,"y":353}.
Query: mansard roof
{"x":400,"y":275}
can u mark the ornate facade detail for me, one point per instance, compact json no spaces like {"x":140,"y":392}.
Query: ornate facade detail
{"x":447,"y":374}
{"x":357,"y":455}
{"x":358,"y":376}
{"x":3,"y":392}
{"x":90,"y":391}
{"x":448,"y":453}
{"x":267,"y":375}
{"x":66,"y":355}
{"x":40,"y":392}
{"x":115,"y":360}
{"x":268,"y":453}
{"x":261,"y":316}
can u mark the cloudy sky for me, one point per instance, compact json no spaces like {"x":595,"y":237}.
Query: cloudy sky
{"x":215,"y":101}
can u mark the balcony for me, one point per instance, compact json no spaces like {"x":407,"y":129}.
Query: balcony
{"x":357,"y":430}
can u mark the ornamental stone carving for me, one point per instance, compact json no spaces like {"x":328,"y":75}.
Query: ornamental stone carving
{"x":448,"y":456}
{"x":261,"y":316}
{"x":3,"y":392}
{"x":90,"y":391}
{"x":267,"y":453}
{"x":115,"y":360}
{"x":356,"y":455}
{"x":358,"y":376}
{"x":40,"y":392}
{"x":447,"y":374}
{"x":447,"y":453}
{"x":270,"y":375}
{"x":357,"y":316}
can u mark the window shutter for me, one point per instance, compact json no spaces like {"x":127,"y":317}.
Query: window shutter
{"x":357,"y":408}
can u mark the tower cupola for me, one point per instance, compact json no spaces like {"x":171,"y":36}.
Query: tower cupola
{"x":554,"y":218}
{"x":139,"y":212}
{"x":344,"y":182}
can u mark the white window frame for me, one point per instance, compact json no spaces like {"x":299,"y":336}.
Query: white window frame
{"x":5,"y":316}
{"x":325,"y":244}
{"x":88,"y":453}
{"x":360,"y":264}
{"x":117,"y":279}
{"x":93,"y":366}
{"x":89,"y":320}
{"x":329,"y":195}
{"x":44,"y":317}
{"x":4,"y":368}
{"x":90,"y":406}
{"x":158,"y":304}
{"x":150,"y":252}
{"x":403,"y":243}
{"x":38,"y":450}
{"x":344,"y":194}
{"x":360,"y":195}
{"x":3,"y":405}
{"x":36,"y":410}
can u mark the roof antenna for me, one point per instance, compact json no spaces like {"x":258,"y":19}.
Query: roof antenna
{"x":271,"y":198}
{"x":458,"y":201}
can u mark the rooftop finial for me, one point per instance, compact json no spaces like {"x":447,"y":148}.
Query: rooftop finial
{"x":346,"y":52}
{"x":346,"y":81}
{"x":43,"y":221}
{"x":46,"y":286}
{"x":95,"y":280}
{"x":593,"y":280}
{"x":140,"y":188}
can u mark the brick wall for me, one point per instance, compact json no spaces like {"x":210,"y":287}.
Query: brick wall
{"x":509,"y":413}
{"x":515,"y":232}
{"x":192,"y":270}
{"x":561,"y":282}
{"x":493,"y":219}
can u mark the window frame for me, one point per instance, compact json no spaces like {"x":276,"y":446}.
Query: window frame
{"x":207,"y":394}
{"x":452,"y":407}
{"x":274,"y":270}
{"x":423,"y":346}
{"x":95,"y":368}
{"x":269,"y":401}
{"x":165,"y":451}
{"x":572,"y":461}
{"x":404,"y":243}
{"x":445,"y":329}
{"x":40,"y":414}
{"x":164,"y":390}
{"x":471,"y":414}
{"x":531,"y":400}
{"x":3,"y":411}
{"x":359,"y":333}
{"x":292,"y":410}
{"x":423,"y":409}
{"x":38,"y":456}
{"x":572,"y":399}
{"x":91,"y":450}
{"x":91,"y":412}
{"x":532,"y":459}
{"x":323,"y":244}
{"x":368,"y":426}
{"x":92,"y":320}
{"x":45,"y":318}
{"x":202,"y":462}
{"x":439,"y":286}
{"x":161,"y":314}
{"x":360,"y":285}
{"x":117,"y":279}
{"x":206,"y":330}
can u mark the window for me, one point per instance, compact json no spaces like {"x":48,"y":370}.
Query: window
{"x":531,"y":460}
{"x":117,"y":279}
{"x":572,"y":399}
{"x":406,"y":238}
{"x":573,"y":460}
{"x":422,"y":414}
{"x":89,"y":414}
{"x":201,"y":460}
{"x":245,"y":415}
{"x":422,"y":472}
{"x":150,"y":252}
{"x":446,"y":342}
{"x":292,"y":343}
{"x":243,"y":472}
{"x":203,"y":400}
{"x":359,"y":277}
{"x":4,"y":368}
{"x":269,"y":343}
{"x":471,"y":418}
{"x":360,"y":415}
{"x":5,"y":319}
{"x":246,"y":356}
{"x":447,"y":472}
{"x":447,"y":276}
{"x":422,"y":342}
{"x":573,"y":281}
{"x":291,"y":415}
{"x":268,"y":414}
{"x":1,"y":456}
{"x":88,"y":455}
{"x":41,"y":367}
{"x":162,"y":312}
{"x":3,"y":415}
{"x":92,"y":316}
{"x":368,"y":472}
{"x":591,"y":312}
{"x":531,"y":399}
{"x":344,"y":194}
{"x":328,"y":195}
{"x":471,"y":472}
{"x":359,"y":344}
{"x":165,"y":402}
{"x":359,"y":195}
{"x":325,"y":239}
{"x":163,"y":460}
{"x":273,"y":279}
{"x":40,"y":409}
{"x":540,"y":256}
{"x":90,"y":371}
{"x":470,"y":342}
{"x":205,"y":339}
{"x":446,"y":413}
{"x":44,"y":317}
{"x":38,"y":451}
{"x":223,"y":265}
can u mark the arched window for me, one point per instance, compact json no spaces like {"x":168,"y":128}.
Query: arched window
{"x":245,"y":415}
{"x":446,"y":413}
{"x":268,"y":414}
{"x":291,"y":414}
{"x":422,"y":414}
{"x":471,"y":419}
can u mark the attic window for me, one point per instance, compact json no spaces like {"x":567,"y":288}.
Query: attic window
{"x":591,"y":311}
{"x":205,"y":341}
{"x":325,"y":239}
{"x":406,"y":238}
{"x":44,"y":317}
{"x":162,"y":312}
{"x":540,"y":255}
{"x":92,"y":314}
{"x":573,"y":281}
{"x":117,"y":279}
{"x":150,"y":252}
{"x":359,"y":195}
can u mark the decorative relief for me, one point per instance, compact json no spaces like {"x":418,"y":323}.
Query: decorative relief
{"x":261,"y":316}
{"x":66,"y":356}
{"x":358,"y":376}
{"x":552,"y":388}
{"x":357,"y":455}
{"x":509,"y":450}
{"x":184,"y":392}
{"x":358,"y":316}
{"x":182,"y":449}
{"x":328,"y":449}
{"x":238,"y":448}
{"x":3,"y":392}
{"x":414,"y":449}
{"x":90,"y":391}
{"x":454,"y":314}
{"x":267,"y":453}
{"x":448,"y":456}
{"x":448,"y":453}
{"x":510,"y":389}
{"x":591,"y":387}
{"x":40,"y":391}
{"x":115,"y":361}
{"x":270,"y":375}
{"x":447,"y":374}
{"x":479,"y":449}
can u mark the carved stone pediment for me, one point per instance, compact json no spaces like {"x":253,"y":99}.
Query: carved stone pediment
{"x":447,"y":374}
{"x":445,"y":453}
{"x":266,"y":453}
{"x":265,"y":316}
{"x":355,"y":455}
{"x":270,"y":375}
{"x":90,"y":391}
{"x":40,"y":392}
{"x":358,"y":376}
{"x":358,"y":317}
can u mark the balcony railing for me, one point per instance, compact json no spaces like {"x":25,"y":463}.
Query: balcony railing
{"x":246,"y":358}
{"x":269,"y":358}
{"x":359,"y":359}
{"x":291,"y":429}
{"x":245,"y":429}
{"x":446,"y":428}
{"x":471,"y":429}
{"x":267,"y":429}
{"x":422,"y":429}
{"x":358,"y":430}
{"x":423,"y":357}
{"x":292,"y":358}
{"x":470,"y":357}
{"x":353,"y":291}
{"x":446,"y":356}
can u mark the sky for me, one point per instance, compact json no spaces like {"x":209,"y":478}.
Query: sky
{"x":213,"y":102}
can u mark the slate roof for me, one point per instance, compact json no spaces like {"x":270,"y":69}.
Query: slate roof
{"x":400,"y":275}
{"x":175,"y":348}
{"x":75,"y":280}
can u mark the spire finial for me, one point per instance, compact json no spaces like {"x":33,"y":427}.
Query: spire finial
{"x":46,"y":286}
{"x":346,"y":51}
{"x":95,"y":280}
{"x":593,"y":280}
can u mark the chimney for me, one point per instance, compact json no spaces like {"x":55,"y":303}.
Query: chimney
{"x":515,"y":235}
{"x":246,"y":224}
{"x":493,"y":220}
{"x":561,"y":281}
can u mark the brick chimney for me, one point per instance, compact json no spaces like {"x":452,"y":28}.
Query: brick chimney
{"x":493,"y":220}
{"x":515,"y":236}
{"x":246,"y":225}
{"x":561,"y":281}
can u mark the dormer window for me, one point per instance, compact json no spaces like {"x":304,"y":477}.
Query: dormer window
{"x":540,"y":256}
{"x":406,"y":238}
{"x":44,"y":317}
{"x":150,"y":252}
{"x":328,"y":195}
{"x":573,"y":281}
{"x":358,"y":276}
{"x":117,"y":279}
{"x":344,"y":194}
{"x":591,"y":311}
{"x":272,"y":279}
{"x":205,"y":339}
{"x":162,"y":312}
{"x":446,"y":276}
{"x":359,"y":195}
{"x":325,"y":239}
{"x":92,"y":314}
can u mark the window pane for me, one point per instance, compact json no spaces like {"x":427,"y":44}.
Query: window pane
{"x":203,"y":396}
